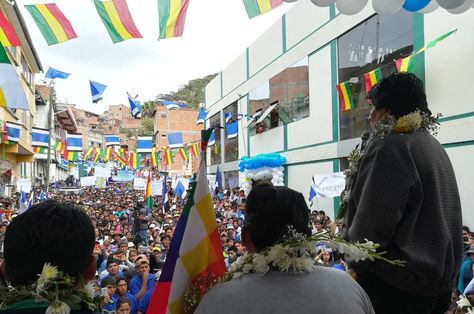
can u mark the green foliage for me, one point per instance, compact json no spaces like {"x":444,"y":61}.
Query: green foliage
{"x":146,"y":127}
{"x":191,"y":93}
{"x":148,"y":108}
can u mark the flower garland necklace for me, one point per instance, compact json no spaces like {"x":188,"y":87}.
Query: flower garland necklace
{"x":295,"y":252}
{"x":409,"y":123}
{"x":464,"y":303}
{"x":53,"y":287}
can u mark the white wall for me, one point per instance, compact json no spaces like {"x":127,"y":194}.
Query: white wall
{"x":449,"y":65}
{"x":303,"y":18}
{"x":235,"y":73}
{"x":317,"y":128}
{"x":461,"y":158}
{"x":454,"y":131}
{"x":242,"y":137}
{"x":299,"y":179}
{"x":213,"y":91}
{"x":266,"y":48}
{"x":267,"y":142}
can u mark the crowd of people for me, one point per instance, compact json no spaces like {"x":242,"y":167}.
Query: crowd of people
{"x":401,"y":193}
{"x":132,"y":241}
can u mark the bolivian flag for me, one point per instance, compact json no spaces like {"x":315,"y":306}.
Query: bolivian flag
{"x":11,"y":91}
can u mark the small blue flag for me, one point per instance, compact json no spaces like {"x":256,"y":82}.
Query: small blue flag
{"x":53,"y":73}
{"x":96,"y":91}
{"x":135,"y":106}
{"x":201,"y":117}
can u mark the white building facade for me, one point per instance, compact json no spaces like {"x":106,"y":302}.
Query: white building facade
{"x":300,"y":60}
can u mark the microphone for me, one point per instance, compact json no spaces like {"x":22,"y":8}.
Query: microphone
{"x":364,"y":137}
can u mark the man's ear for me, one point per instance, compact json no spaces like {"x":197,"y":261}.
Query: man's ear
{"x":89,"y":271}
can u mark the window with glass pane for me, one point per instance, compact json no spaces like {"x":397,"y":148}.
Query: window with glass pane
{"x":372,"y":44}
{"x":231,"y":145}
{"x":214,"y":121}
{"x":290,"y":89}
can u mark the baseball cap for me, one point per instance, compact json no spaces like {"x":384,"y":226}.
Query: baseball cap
{"x":141,"y":259}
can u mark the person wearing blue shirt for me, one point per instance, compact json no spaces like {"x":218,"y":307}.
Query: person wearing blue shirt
{"x":144,"y":302}
{"x":109,"y":302}
{"x":122,"y":292}
{"x":143,"y":281}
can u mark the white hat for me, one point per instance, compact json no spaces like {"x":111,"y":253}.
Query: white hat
{"x":230,"y":227}
{"x":152,"y":226}
{"x":131,"y":244}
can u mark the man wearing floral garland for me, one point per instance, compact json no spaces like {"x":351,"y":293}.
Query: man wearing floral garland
{"x":404,"y":196}
{"x":49,"y":248}
{"x":280,"y":275}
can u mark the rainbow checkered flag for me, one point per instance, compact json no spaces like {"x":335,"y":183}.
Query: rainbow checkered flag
{"x":195,"y":260}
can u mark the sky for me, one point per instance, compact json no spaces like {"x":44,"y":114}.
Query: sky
{"x":216,"y":32}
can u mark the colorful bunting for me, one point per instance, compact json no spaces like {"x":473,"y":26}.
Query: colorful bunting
{"x":256,"y":7}
{"x":89,"y":152}
{"x":72,"y":156}
{"x":184,"y":155}
{"x":133,"y":160}
{"x":154,"y":159}
{"x":8,"y":37}
{"x":59,"y":147}
{"x":121,"y":157}
{"x":40,"y":150}
{"x":345,"y":96}
{"x":406,"y":64}
{"x":117,"y":20}
{"x":195,"y":149}
{"x":167,"y":157}
{"x":372,"y":78}
{"x":172,"y":15}
{"x":52,"y":23}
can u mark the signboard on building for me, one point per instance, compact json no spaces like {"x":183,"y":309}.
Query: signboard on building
{"x":139,"y":184}
{"x":329,"y":185}
{"x":88,"y":181}
{"x":102,"y":172}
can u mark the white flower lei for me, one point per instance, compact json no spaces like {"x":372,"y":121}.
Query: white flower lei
{"x":61,"y":291}
{"x":463,"y":303}
{"x":296,"y":252}
{"x":406,"y":124}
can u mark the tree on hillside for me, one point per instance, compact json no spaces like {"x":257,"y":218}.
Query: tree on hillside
{"x":148,"y":108}
{"x":146,"y":127}
{"x":191,"y":93}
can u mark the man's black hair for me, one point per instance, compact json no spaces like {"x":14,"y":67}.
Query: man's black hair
{"x":108,"y":281}
{"x":270,"y":210}
{"x":466,"y":228}
{"x":112,"y":260}
{"x":49,"y":232}
{"x":233,"y":248}
{"x":401,"y":93}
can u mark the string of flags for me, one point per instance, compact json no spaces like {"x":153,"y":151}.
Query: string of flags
{"x":406,"y":64}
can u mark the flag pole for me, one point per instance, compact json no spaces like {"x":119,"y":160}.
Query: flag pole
{"x":50,"y":132}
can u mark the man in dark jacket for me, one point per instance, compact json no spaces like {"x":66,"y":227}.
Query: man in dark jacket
{"x":405,"y":197}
